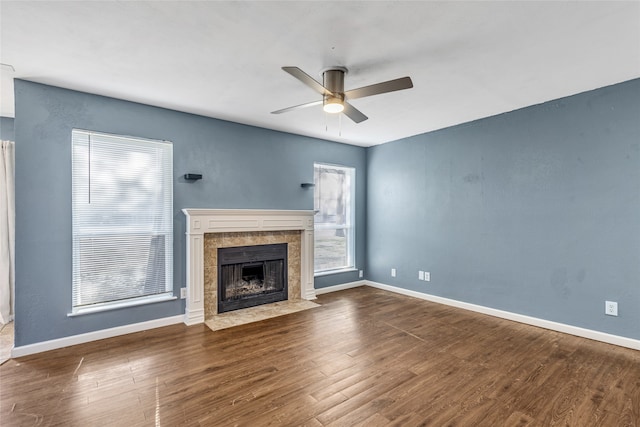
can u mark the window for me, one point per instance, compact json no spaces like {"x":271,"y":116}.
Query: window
{"x":122,"y":221}
{"x":334,"y":201}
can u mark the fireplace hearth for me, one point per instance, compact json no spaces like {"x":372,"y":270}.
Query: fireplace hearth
{"x":251,"y":275}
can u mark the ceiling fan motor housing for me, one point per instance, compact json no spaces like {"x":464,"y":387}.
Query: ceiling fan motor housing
{"x":333,"y":80}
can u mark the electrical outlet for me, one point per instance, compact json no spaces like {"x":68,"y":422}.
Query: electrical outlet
{"x":361,"y":274}
{"x":183,"y":293}
{"x":427,"y":276}
{"x":611,"y":308}
{"x":393,"y":272}
{"x":420,"y":275}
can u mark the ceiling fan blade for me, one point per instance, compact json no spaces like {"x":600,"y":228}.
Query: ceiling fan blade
{"x":307,"y":79}
{"x":378,"y":88}
{"x":353,"y":113}
{"x":297,"y":107}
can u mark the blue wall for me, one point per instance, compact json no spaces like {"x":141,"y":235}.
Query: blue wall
{"x":536,"y":211}
{"x":243,"y":167}
{"x":6,"y":129}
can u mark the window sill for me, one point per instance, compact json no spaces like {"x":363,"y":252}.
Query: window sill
{"x":330,"y":272}
{"x":119,"y":305}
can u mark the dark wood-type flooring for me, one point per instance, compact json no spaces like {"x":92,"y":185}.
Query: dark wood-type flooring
{"x":366,"y":357}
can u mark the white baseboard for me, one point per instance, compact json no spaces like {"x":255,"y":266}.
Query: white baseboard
{"x":26,"y":350}
{"x":341,"y":287}
{"x":143,"y":326}
{"x":534,"y":321}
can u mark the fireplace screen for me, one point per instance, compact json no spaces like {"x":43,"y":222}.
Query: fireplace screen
{"x":251,"y":275}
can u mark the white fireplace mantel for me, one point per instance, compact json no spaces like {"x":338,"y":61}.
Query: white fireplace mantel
{"x":202,"y":221}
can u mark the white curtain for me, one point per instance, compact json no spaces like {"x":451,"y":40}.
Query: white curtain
{"x":7,"y":231}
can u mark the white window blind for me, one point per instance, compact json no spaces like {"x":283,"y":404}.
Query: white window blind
{"x":122,"y":203}
{"x":334,"y":203}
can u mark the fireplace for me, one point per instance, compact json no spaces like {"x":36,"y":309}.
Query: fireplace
{"x":211,"y":229}
{"x":251,"y":275}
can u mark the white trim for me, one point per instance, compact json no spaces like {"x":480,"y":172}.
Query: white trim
{"x":193,"y":316}
{"x":26,"y":350}
{"x":521,"y":318}
{"x":340,"y":287}
{"x":132,"y":302}
{"x":87,"y":224}
{"x":350,"y":226}
{"x":337,"y":271}
{"x":152,"y":324}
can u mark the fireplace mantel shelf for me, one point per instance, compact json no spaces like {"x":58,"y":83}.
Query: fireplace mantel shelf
{"x":244,"y":212}
{"x":202,"y":221}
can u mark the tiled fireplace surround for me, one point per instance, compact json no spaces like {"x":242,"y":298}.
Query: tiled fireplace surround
{"x":210,"y":229}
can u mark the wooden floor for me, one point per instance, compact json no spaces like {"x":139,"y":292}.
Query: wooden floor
{"x":366,"y":357}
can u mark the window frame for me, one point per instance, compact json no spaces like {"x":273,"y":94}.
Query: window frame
{"x":350,"y":220}
{"x":122,"y":229}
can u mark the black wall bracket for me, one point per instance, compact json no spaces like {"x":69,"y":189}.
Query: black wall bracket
{"x":192,"y":176}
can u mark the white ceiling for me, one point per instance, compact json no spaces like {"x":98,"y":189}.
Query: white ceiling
{"x":468,"y":60}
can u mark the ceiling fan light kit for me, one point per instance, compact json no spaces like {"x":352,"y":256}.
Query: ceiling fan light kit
{"x":333,"y":104}
{"x":334,"y":97}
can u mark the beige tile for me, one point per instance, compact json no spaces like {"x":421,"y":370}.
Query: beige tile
{"x":255,"y":314}
{"x":214,"y":241}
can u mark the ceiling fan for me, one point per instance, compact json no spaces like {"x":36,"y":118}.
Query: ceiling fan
{"x":334,"y":98}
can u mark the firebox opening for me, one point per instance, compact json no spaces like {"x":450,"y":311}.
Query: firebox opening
{"x":251,"y":275}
